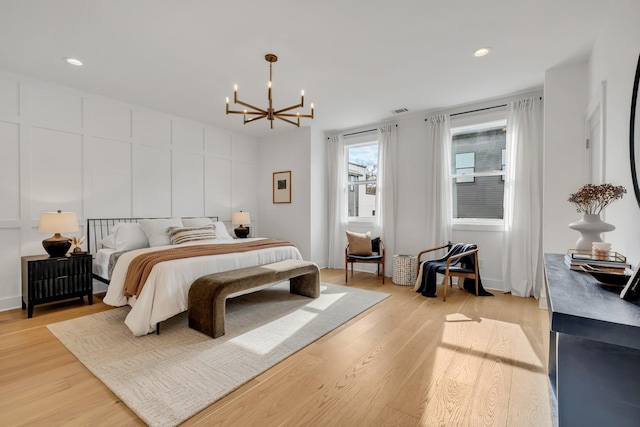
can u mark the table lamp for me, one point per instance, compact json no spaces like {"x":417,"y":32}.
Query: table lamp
{"x":57,"y":222}
{"x":240,"y":218}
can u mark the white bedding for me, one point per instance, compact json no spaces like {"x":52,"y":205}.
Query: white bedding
{"x":165,"y":293}
{"x":101,"y":262}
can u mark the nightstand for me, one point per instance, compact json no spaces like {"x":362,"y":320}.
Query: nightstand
{"x":46,"y":279}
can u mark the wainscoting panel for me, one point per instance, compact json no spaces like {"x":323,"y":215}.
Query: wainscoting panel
{"x":187,"y":136}
{"x":52,"y":109}
{"x":217,"y":143}
{"x":187,"y":184}
{"x":10,"y":290}
{"x":9,"y":171}
{"x":150,"y":128}
{"x":9,"y":97}
{"x":217,"y":187}
{"x":151,"y":182}
{"x":109,"y":181}
{"x":108,"y":119}
{"x":243,"y":189}
{"x":56,"y":171}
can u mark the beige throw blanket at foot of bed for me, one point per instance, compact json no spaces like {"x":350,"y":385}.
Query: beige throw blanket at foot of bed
{"x":141,"y":266}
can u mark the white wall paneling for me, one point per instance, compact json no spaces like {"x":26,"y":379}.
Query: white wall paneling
{"x":9,"y":97}
{"x":244,"y":190}
{"x":217,"y":188}
{"x":10,"y":284}
{"x":56,"y":171}
{"x":150,"y":128}
{"x":9,"y":171}
{"x":187,"y":135}
{"x":187,"y":184}
{"x":217,"y":143}
{"x":109,"y":178}
{"x":66,"y":149}
{"x":151,"y":182}
{"x":108,"y":119}
{"x":54,"y":109}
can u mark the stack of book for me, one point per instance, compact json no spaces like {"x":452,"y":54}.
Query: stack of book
{"x":613,"y":262}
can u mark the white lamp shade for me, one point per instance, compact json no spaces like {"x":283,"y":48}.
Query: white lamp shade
{"x":58,"y":222}
{"x":241,"y":218}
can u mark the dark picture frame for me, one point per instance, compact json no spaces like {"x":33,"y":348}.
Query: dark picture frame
{"x":282,"y":187}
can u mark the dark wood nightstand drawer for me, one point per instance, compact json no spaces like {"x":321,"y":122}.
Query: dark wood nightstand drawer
{"x":46,"y":279}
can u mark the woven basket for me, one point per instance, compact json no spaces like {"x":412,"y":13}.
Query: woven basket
{"x":404,"y":269}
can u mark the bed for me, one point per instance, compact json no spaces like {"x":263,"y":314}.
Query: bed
{"x":117,"y":242}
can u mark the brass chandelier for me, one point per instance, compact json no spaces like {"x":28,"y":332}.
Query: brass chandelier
{"x":270,"y":113}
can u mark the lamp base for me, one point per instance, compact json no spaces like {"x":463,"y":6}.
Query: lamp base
{"x":56,"y":245}
{"x":242,"y":232}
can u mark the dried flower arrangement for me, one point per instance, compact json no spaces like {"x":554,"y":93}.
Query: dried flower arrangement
{"x":592,"y":199}
{"x":76,"y":242}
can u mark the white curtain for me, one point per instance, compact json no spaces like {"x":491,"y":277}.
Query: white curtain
{"x":387,"y":191}
{"x":438,"y":185}
{"x":521,"y":261}
{"x":337,"y":202}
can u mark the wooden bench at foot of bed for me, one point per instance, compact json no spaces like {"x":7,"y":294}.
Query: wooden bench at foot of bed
{"x":208,"y":294}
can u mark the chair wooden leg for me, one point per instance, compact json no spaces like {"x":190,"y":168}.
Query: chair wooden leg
{"x":444,"y":287}
{"x":476,"y":285}
{"x":382,"y":273}
{"x":346,"y":272}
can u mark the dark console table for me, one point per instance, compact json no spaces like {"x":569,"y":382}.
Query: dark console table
{"x":594,"y":349}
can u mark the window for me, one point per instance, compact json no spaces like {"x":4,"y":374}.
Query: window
{"x":362,"y":177}
{"x":465,"y":165}
{"x":478,"y":157}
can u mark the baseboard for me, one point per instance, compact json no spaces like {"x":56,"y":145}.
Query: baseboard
{"x":10,"y":303}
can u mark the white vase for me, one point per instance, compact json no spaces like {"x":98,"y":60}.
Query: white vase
{"x":590,"y":227}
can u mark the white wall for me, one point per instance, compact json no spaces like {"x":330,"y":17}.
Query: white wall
{"x":319,"y":192}
{"x":70,"y":150}
{"x":565,"y":102}
{"x":613,"y":59}
{"x":286,"y":150}
{"x":412,"y":198}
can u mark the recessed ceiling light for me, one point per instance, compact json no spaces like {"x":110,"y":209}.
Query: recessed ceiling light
{"x":74,"y":61}
{"x":482,"y":52}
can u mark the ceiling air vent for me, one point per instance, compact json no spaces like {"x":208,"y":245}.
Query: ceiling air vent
{"x":399,"y":111}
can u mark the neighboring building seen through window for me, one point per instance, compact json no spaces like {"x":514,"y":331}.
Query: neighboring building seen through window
{"x":362,"y":176}
{"x":478,"y":157}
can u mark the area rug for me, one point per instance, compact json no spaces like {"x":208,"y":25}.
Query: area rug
{"x":167,"y":378}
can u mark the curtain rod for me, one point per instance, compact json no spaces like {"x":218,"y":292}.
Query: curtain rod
{"x":479,"y":109}
{"x":362,"y":131}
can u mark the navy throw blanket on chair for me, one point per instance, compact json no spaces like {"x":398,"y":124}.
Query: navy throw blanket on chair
{"x":430,"y":269}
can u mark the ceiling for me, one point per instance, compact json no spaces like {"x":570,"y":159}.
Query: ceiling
{"x":356,"y":60}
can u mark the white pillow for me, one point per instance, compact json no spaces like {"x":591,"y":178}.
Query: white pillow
{"x":110,"y":240}
{"x":157,"y":230}
{"x":196,"y":222}
{"x":221,"y":231}
{"x":126,"y":236}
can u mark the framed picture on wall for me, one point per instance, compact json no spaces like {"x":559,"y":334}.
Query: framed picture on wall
{"x":282,"y":187}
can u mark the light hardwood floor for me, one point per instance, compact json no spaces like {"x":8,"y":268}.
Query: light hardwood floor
{"x":408,"y":361}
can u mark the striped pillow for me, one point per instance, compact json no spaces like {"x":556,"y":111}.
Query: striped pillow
{"x":190,"y":234}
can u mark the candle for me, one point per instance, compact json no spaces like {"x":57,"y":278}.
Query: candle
{"x":600,"y":250}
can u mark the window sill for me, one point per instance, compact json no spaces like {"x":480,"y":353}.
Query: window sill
{"x":478,"y":225}
{"x":363,"y":221}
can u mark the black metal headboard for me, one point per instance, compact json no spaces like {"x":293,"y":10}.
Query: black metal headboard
{"x":99,"y":228}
